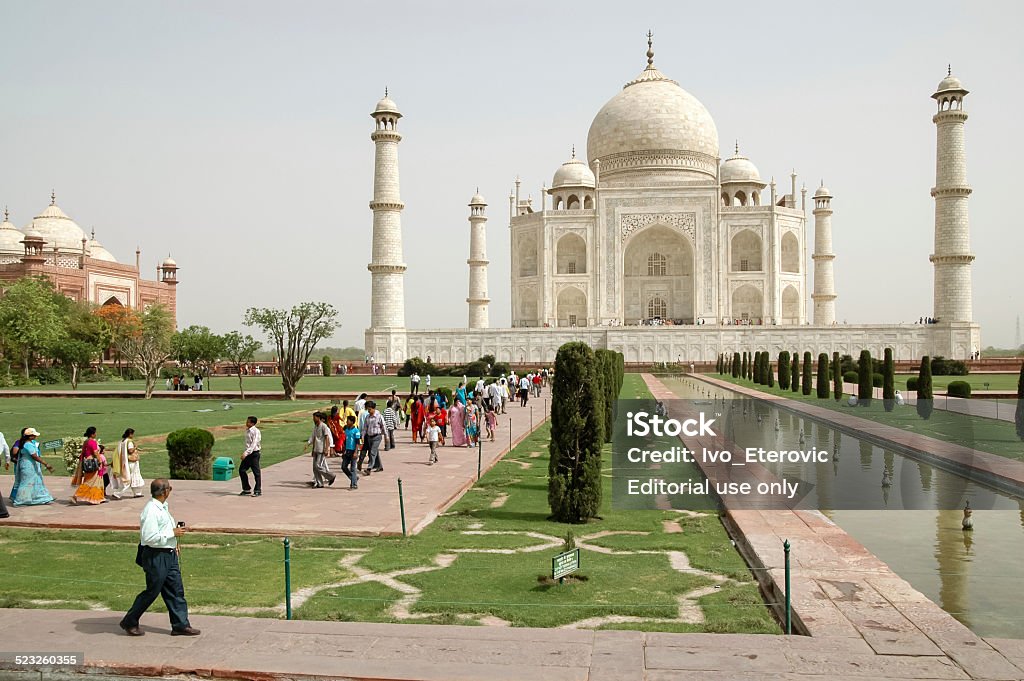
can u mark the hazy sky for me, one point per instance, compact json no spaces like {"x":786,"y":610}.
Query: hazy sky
{"x":235,"y":135}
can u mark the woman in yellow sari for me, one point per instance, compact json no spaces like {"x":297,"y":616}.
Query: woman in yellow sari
{"x":89,"y":476}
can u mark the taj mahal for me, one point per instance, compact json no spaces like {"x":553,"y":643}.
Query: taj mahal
{"x":658,"y":248}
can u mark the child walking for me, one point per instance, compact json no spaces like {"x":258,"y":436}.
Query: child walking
{"x":491,"y":418}
{"x":433,"y":436}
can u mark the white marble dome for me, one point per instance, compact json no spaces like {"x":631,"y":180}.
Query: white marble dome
{"x":168,"y":262}
{"x":739,"y":169}
{"x":573,"y":173}
{"x":58,"y":229}
{"x":10,"y":238}
{"x":387,"y":105}
{"x":477,"y":200}
{"x":822,"y":192}
{"x":950,"y":82}
{"x":97,"y":252}
{"x":653,"y":125}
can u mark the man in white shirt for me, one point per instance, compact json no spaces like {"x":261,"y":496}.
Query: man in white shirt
{"x":158,"y":557}
{"x":322,"y":442}
{"x":524,"y":391}
{"x":251,"y":459}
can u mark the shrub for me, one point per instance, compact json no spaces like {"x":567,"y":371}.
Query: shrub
{"x":771,"y":376}
{"x":877,"y":380}
{"x":500,"y":369}
{"x":837,"y":377}
{"x":924,"y":389}
{"x":72,"y":450}
{"x":415,"y":365}
{"x":188,"y":452}
{"x":326,"y":365}
{"x":50,"y":375}
{"x":846,"y":365}
{"x":735,"y":365}
{"x":447,"y":392}
{"x":794,"y":371}
{"x":958,"y":389}
{"x":864,"y":372}
{"x":477,"y":367}
{"x":850,"y":376}
{"x":822,"y":386}
{"x":784,"y":370}
{"x":889,"y":381}
{"x":577,"y":435}
{"x":912,"y":383}
{"x":806,"y":377}
{"x":948,"y":367}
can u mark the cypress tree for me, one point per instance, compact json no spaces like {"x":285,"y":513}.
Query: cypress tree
{"x":1018,"y":416}
{"x":757,"y":367}
{"x":577,"y":435}
{"x":888,"y":381}
{"x":746,"y":365}
{"x":837,"y":377}
{"x":924,"y":389}
{"x":605,"y":364}
{"x":765,"y":368}
{"x":718,"y":365}
{"x":735,"y":365}
{"x":864,"y":388}
{"x":822,"y":386}
{"x":784,"y":370}
{"x":805,"y":388}
{"x":794,"y":370}
{"x":771,"y":376}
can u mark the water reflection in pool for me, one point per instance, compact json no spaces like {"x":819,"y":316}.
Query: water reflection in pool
{"x":917,"y":531}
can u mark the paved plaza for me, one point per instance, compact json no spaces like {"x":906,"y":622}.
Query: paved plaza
{"x":290,"y":506}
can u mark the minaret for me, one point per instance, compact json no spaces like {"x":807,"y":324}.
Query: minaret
{"x":952,"y":257}
{"x":824,"y":295}
{"x":478,"y":299}
{"x":387,"y":309}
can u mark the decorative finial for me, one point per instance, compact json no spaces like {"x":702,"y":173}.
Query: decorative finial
{"x":949,"y":69}
{"x":6,"y":214}
{"x":574,"y":151}
{"x":650,"y":50}
{"x":385,"y":90}
{"x":94,"y":234}
{"x":737,"y":147}
{"x":478,"y":189}
{"x":823,"y":182}
{"x":53,"y":197}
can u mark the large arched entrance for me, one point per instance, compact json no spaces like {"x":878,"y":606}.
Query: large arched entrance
{"x":790,"y":305}
{"x":747,"y":304}
{"x":572,"y":307}
{"x":658,"y":277}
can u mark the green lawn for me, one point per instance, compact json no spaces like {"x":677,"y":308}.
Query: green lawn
{"x":346,"y":384}
{"x":461,"y":579}
{"x":987,"y":435}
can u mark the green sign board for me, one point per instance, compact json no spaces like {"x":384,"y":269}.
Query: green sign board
{"x":565,"y":563}
{"x":53,"y":444}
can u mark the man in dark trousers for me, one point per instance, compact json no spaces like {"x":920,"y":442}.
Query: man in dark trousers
{"x":251,"y":459}
{"x":158,"y":557}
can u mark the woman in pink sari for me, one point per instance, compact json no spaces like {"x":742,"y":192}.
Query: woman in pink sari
{"x":458,"y":428}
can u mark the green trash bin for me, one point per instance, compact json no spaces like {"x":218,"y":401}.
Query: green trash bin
{"x":223,"y":467}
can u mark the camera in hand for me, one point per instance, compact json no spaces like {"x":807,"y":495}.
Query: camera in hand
{"x":181,"y":523}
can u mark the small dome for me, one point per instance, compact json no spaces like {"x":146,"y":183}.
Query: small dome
{"x":739,"y":169}
{"x":950,"y":82}
{"x":573,"y":173}
{"x":58,"y":229}
{"x":97,"y":252}
{"x":168,"y":262}
{"x":477,"y":200}
{"x":33,"y":233}
{"x":387,"y":105}
{"x":10,"y":238}
{"x":822,"y":192}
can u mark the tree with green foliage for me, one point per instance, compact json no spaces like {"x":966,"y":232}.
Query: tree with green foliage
{"x":326,"y":365}
{"x":805,"y":377}
{"x":86,"y":336}
{"x":822,"y":385}
{"x":294,"y":333}
{"x":794,"y":370}
{"x":151,"y":345}
{"x":189,"y":454}
{"x":755,"y":367}
{"x":784,"y":370}
{"x":577,"y":435}
{"x":837,"y":377}
{"x":1019,"y":414}
{"x":605,"y":360}
{"x":31,"y":324}
{"x":925,"y":396}
{"x":197,"y":349}
{"x":889,"y":381}
{"x":743,"y":368}
{"x":771,"y":376}
{"x":239,"y":350}
{"x":735,"y":365}
{"x":864,"y":372}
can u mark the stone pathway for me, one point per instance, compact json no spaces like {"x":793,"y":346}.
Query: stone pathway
{"x":289,"y":506}
{"x":265,"y":649}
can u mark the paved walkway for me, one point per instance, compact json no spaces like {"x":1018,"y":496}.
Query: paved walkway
{"x":1000,"y":405}
{"x":259,"y":648}
{"x":841,"y":591}
{"x":289,"y":506}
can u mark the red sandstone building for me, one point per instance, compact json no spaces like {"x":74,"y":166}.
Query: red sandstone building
{"x":55,"y":247}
